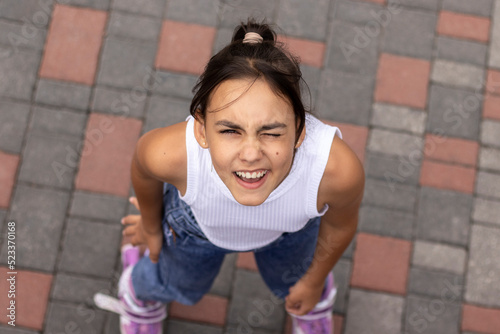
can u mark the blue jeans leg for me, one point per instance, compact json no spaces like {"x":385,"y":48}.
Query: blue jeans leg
{"x":283,"y":262}
{"x":188,"y":262}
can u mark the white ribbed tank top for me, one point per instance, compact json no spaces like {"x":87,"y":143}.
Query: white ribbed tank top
{"x":230,"y":225}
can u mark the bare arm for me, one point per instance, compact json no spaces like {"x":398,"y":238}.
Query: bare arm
{"x":159,"y":157}
{"x":342,"y":189}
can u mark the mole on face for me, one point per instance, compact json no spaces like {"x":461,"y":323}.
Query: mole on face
{"x":277,"y":153}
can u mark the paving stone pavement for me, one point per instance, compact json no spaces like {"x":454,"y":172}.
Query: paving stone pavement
{"x":413,"y":84}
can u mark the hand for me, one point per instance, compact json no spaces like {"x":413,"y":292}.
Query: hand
{"x":135,"y":234}
{"x":302,"y":298}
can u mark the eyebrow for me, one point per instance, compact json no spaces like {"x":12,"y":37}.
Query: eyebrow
{"x":266,"y":127}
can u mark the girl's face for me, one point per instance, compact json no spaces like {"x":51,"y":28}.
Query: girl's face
{"x":251,"y":138}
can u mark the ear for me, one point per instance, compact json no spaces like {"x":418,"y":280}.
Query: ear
{"x":301,"y":138}
{"x":199,"y":131}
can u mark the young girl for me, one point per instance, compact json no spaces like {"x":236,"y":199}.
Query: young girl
{"x":251,"y":170}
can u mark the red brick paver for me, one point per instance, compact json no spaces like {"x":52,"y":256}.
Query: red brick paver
{"x":464,"y":26}
{"x":210,"y":309}
{"x":184,"y":47}
{"x":31,"y":297}
{"x":491,"y":107}
{"x":402,"y":80}
{"x":107,"y":154}
{"x":8,"y":170}
{"x":452,"y":150}
{"x":480,"y":319}
{"x":493,"y":82}
{"x":444,"y":176}
{"x":246,"y":260}
{"x":73,"y":44}
{"x":310,"y":52}
{"x":381,"y":263}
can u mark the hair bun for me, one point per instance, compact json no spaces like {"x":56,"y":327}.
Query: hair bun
{"x":262,"y":29}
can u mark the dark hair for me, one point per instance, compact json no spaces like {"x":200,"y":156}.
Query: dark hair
{"x":267,"y":59}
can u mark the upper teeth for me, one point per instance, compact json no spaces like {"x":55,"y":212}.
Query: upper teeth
{"x":253,"y":175}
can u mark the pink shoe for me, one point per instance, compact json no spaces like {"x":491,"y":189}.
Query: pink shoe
{"x":136,"y":316}
{"x":319,"y":320}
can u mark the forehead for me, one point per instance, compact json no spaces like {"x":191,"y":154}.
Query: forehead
{"x":250,"y":102}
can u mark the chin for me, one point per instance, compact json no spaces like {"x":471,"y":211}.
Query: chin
{"x":249,"y":200}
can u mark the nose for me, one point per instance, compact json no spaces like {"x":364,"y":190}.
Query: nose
{"x":251,"y":150}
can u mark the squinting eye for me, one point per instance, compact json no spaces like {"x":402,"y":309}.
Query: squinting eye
{"x":228,"y":132}
{"x":272,"y":134}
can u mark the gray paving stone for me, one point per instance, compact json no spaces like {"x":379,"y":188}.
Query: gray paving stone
{"x":396,"y":143}
{"x":98,"y":206}
{"x":18,"y":74}
{"x":371,"y":312}
{"x":421,"y":4}
{"x":76,"y":289}
{"x":133,"y":26}
{"x":63,"y":94}
{"x":164,"y":111}
{"x":494,"y":58}
{"x":55,"y":167}
{"x":461,"y":50}
{"x":386,"y":222}
{"x":360,"y":13}
{"x":390,"y":195}
{"x":96,"y":4}
{"x":439,"y":256}
{"x":20,"y":9}
{"x":126,"y":64}
{"x":410,"y":33}
{"x":194,"y":11}
{"x":486,"y":211}
{"x":478,"y":7}
{"x":489,"y":158}
{"x":454,"y":112}
{"x":253,"y":305}
{"x":222,"y":38}
{"x":39,"y":228}
{"x":432,"y":316}
{"x":311,"y":76}
{"x":57,"y":122}
{"x":443,"y":216}
{"x":7,"y":329}
{"x":175,"y":84}
{"x":13,"y":123}
{"x":15,"y":35}
{"x":489,"y":133}
{"x":151,"y":7}
{"x":457,"y":74}
{"x":398,"y":118}
{"x":120,"y":102}
{"x":90,"y":248}
{"x":231,"y":13}
{"x":177,"y":326}
{"x":345,"y":97}
{"x":307,"y":19}
{"x":112,"y":325}
{"x":484,"y":269}
{"x":76,"y":318}
{"x":488,"y":184}
{"x":342,"y":272}
{"x":234,"y":329}
{"x":432,"y":283}
{"x":351,"y":50}
{"x":224,"y":280}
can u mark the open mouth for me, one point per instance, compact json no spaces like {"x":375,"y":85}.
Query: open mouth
{"x":251,"y":177}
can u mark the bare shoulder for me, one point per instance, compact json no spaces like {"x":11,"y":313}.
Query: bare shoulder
{"x":161,"y":153}
{"x":343,"y":180}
